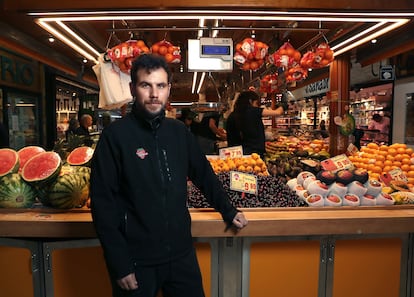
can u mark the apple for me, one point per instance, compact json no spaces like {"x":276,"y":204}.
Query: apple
{"x":344,"y":176}
{"x":361,"y":175}
{"x":326,"y":176}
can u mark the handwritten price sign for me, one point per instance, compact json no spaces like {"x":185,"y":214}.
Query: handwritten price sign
{"x":243,"y":182}
{"x":337,"y":163}
{"x":231,"y":152}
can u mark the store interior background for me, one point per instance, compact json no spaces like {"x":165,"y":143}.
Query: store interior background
{"x":80,"y":80}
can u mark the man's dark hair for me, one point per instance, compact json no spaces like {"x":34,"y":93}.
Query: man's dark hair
{"x":149,"y":62}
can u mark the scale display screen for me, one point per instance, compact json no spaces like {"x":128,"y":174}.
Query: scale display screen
{"x":215,"y":50}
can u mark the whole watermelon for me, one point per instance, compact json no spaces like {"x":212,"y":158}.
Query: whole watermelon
{"x":68,"y":191}
{"x":15,"y":192}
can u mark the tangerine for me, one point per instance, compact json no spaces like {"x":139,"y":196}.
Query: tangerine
{"x":162,"y":50}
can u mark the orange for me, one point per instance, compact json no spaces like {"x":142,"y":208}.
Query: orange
{"x":406,"y":161}
{"x":409,"y":151}
{"x":162,"y":50}
{"x":169,"y":57}
{"x":390,"y":157}
{"x":373,"y":145}
{"x":383,"y":148}
{"x":379,"y":163}
{"x":397,"y":164}
{"x":377,"y":169}
{"x":380,"y":158}
{"x":386,"y":168}
{"x":410,"y":174}
{"x":398,"y":157}
{"x":392,"y":151}
{"x":387,"y":163}
{"x":405,"y":167}
{"x":412,"y":167}
{"x":401,"y":150}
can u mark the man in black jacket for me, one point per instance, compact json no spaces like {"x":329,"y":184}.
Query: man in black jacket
{"x":139,"y":192}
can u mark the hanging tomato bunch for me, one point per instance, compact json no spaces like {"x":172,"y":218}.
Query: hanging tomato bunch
{"x":269,"y":83}
{"x":320,"y":57}
{"x":170,"y":52}
{"x":286,"y":56}
{"x":250,"y":54}
{"x":123,"y":54}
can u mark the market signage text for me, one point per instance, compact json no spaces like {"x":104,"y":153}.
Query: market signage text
{"x":318,"y":87}
{"x":17,"y":71}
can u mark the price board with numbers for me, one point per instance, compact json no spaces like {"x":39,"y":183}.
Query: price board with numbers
{"x":337,"y":163}
{"x":231,"y":152}
{"x":394,"y":174}
{"x":243,"y":182}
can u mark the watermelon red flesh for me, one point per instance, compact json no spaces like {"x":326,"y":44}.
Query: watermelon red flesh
{"x":80,"y":155}
{"x":27,"y":152}
{"x":41,"y":167}
{"x":9,"y":161}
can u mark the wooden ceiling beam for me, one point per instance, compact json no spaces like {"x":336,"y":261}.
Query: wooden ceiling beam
{"x":47,"y":5}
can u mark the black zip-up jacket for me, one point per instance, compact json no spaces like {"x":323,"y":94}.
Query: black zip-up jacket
{"x":139,"y":191}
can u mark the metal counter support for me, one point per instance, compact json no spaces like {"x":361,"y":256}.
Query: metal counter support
{"x":36,"y":256}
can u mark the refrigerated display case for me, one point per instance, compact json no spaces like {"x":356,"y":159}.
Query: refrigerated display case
{"x":23,"y":119}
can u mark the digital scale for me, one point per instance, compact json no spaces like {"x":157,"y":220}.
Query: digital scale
{"x":210,"y":54}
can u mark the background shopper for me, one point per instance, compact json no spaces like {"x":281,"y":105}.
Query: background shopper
{"x":245,"y":123}
{"x":139,"y":192}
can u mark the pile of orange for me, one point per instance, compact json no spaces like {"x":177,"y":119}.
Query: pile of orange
{"x":250,"y":164}
{"x":380,"y":159}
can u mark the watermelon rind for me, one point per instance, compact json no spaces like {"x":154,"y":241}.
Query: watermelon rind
{"x":68,"y":191}
{"x":15,"y":192}
{"x":42,"y":168}
{"x":80,"y":156}
{"x":27,"y":152}
{"x":9,"y":161}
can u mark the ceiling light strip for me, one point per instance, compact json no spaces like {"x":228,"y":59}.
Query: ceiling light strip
{"x":368,"y":38}
{"x":64,"y":39}
{"x":78,"y":38}
{"x":194,"y":82}
{"x":406,"y":14}
{"x":203,"y":75}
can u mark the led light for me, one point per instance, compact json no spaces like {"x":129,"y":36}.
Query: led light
{"x":51,"y":39}
{"x":380,"y":23}
{"x":374,"y":41}
{"x":85,"y":60}
{"x":203,"y":75}
{"x":194,"y":82}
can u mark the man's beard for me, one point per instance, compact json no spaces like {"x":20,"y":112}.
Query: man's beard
{"x":148,"y":114}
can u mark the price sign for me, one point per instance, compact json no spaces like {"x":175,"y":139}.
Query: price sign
{"x":231,"y":152}
{"x":243,"y":182}
{"x":395,"y":174}
{"x":337,"y":163}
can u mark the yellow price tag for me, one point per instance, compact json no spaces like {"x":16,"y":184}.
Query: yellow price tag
{"x":243,"y":182}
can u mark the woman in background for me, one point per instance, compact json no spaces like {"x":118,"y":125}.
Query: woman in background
{"x":245,"y":125}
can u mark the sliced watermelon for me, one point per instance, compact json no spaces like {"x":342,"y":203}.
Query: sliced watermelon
{"x":9,"y":161}
{"x":42,"y":168}
{"x":80,"y":156}
{"x":27,"y":152}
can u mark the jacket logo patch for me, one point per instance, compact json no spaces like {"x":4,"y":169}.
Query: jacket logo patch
{"x":141,"y":153}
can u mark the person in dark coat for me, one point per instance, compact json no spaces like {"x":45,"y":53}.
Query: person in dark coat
{"x":138,"y":184}
{"x":4,"y":136}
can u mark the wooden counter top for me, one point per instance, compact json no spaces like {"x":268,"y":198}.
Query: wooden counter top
{"x":41,"y":223}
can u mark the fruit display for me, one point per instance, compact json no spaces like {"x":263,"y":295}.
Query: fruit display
{"x":381,"y":159}
{"x":9,"y":161}
{"x":320,"y":57}
{"x":15,"y":192}
{"x":250,"y":54}
{"x":44,"y":178}
{"x":271,"y":192}
{"x":170,"y":52}
{"x":42,"y":169}
{"x":124,"y":53}
{"x":292,"y":143}
{"x":348,"y":187}
{"x":250,"y":164}
{"x":285,"y":57}
{"x":80,"y":156}
{"x":27,"y":152}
